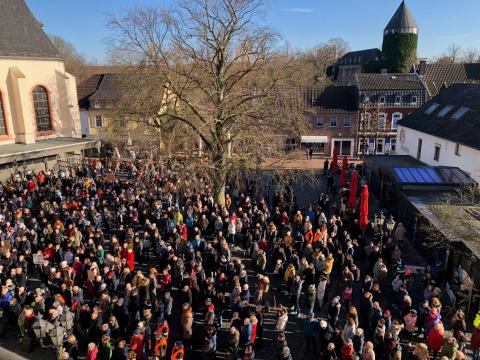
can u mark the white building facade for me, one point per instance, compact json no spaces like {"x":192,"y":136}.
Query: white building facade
{"x":436,"y":151}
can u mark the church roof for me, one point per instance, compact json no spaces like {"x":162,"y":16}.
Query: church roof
{"x":402,"y":19}
{"x":21,"y":34}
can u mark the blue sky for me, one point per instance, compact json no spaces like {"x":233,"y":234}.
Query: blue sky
{"x":303,"y":23}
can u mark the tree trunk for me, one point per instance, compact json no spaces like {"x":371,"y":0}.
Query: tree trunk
{"x":219,"y":178}
{"x":219,"y":184}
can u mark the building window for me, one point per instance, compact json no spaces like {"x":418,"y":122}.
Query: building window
{"x":414,"y":100}
{"x":3,"y":122}
{"x":382,"y":121}
{"x":444,"y":111}
{"x":395,"y":118}
{"x":42,"y":109}
{"x":333,"y":121}
{"x":459,"y":113}
{"x":319,"y":121}
{"x":457,"y":149}
{"x":393,"y":145}
{"x":436,"y":153}
{"x":98,"y":121}
{"x":398,"y":100}
{"x":379,"y":146}
{"x":347,"y":121}
{"x":290,"y":144}
{"x":366,"y":121}
{"x":431,"y":108}
{"x":382,"y":100}
{"x":419,"y":149}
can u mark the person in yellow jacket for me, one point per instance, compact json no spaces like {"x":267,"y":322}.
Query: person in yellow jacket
{"x":289,"y":275}
{"x":476,"y":321}
{"x":328,"y":263}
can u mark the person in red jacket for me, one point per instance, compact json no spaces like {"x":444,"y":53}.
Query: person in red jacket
{"x":435,"y":338}
{"x":475,"y":342}
{"x":136,"y":343}
{"x":92,"y":352}
{"x":130,"y":256}
{"x":49,"y":252}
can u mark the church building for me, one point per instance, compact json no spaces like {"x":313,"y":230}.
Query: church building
{"x":39,"y":115}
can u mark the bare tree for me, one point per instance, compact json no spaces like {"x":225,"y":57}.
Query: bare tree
{"x":471,"y":56}
{"x":74,"y":61}
{"x":312,"y":64}
{"x":452,"y":55}
{"x":222,"y":77}
{"x":453,"y":219}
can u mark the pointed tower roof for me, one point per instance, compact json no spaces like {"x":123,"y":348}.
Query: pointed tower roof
{"x":21,"y":34}
{"x":402,"y":21}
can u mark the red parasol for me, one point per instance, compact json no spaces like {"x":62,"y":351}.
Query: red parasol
{"x":364,"y":208}
{"x":343,"y":174}
{"x":333,"y":167}
{"x":353,"y":189}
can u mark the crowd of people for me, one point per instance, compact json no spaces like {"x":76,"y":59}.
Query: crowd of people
{"x":151,"y":269}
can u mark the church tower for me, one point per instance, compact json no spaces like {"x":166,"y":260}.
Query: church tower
{"x":400,"y":39}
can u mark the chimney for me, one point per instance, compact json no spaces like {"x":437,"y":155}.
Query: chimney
{"x":422,"y":67}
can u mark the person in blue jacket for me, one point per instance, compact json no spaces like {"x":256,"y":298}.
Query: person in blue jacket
{"x":311,"y":326}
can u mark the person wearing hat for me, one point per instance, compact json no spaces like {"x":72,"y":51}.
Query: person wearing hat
{"x":410,"y":321}
{"x":178,"y":351}
{"x":334,"y":311}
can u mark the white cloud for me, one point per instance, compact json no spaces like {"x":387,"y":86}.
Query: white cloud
{"x":299,"y":10}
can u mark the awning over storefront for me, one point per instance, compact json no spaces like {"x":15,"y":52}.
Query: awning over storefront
{"x":313,"y":139}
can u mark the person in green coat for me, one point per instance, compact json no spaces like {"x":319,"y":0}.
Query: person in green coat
{"x":105,"y":351}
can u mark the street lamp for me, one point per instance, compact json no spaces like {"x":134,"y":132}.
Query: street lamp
{"x":41,"y":328}
{"x":382,"y":220}
{"x":66,"y":320}
{"x":390,"y":225}
{"x":56,"y":336}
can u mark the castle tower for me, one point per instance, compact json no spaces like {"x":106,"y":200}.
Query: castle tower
{"x":400,"y":39}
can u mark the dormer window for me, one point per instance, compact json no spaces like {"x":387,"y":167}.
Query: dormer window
{"x":444,"y":111}
{"x":459,"y":113}
{"x":382,"y":100}
{"x":431,"y":109}
{"x":414,"y":100}
{"x":398,"y":100}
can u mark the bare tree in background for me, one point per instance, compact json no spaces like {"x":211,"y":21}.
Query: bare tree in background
{"x":222,"y":78}
{"x":471,"y":56}
{"x":455,"y":218}
{"x":74,"y":61}
{"x":312,"y":64}
{"x":452,"y":55}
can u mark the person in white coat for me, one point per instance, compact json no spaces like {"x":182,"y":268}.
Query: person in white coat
{"x":282,"y":320}
{"x":400,"y":234}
